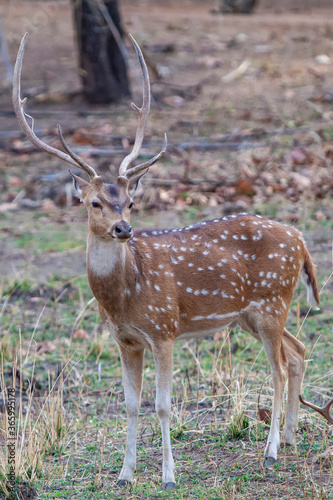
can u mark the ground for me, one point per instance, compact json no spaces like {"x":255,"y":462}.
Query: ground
{"x":246,"y":102}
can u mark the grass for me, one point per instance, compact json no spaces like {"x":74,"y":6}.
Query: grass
{"x":72,"y":426}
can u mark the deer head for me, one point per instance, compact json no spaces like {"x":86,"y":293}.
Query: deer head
{"x":109,"y":205}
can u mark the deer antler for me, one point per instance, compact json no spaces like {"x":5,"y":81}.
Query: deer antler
{"x":19,"y":103}
{"x":324,"y":411}
{"x":143,"y":113}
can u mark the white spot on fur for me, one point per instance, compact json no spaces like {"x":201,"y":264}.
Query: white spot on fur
{"x":215,"y":316}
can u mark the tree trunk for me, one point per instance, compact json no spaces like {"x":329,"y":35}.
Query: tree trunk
{"x":102,"y":66}
{"x":237,"y":6}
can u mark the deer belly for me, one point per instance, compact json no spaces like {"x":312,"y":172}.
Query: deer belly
{"x":204,"y":326}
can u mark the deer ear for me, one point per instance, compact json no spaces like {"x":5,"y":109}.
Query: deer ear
{"x":80,"y":185}
{"x":135,"y":186}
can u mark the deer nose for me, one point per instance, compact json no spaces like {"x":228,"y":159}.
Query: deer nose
{"x":122,"y":230}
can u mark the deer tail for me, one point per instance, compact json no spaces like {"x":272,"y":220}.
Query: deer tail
{"x":309,"y":278}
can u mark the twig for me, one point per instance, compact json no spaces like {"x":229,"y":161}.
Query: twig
{"x":320,"y":111}
{"x":236,"y":73}
{"x":82,"y":313}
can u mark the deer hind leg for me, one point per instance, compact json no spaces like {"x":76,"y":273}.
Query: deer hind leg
{"x":271,"y":338}
{"x":295,"y":352}
{"x":132,"y":364}
{"x":163,"y":354}
{"x":269,"y":331}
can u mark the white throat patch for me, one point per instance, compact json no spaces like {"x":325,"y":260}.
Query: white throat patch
{"x":103,"y":256}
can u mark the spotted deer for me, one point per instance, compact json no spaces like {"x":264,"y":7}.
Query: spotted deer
{"x":157,"y":286}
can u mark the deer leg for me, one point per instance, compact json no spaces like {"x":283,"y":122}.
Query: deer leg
{"x":295,"y":352}
{"x":270,"y":334}
{"x":132,"y":363}
{"x":272,"y":342}
{"x":163,"y":366}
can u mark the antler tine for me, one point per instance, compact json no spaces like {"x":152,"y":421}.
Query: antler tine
{"x":138,"y":168}
{"x":80,"y":163}
{"x":19,"y":103}
{"x":143,"y":113}
{"x":324,"y":411}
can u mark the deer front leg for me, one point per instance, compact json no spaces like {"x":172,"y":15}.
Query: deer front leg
{"x":163,"y":371}
{"x":132,"y":363}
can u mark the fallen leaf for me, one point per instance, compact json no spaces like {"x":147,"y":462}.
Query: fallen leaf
{"x":323,"y":59}
{"x":175,"y":101}
{"x":244,"y":187}
{"x":6,"y":207}
{"x":264,"y":415}
{"x":81,"y":334}
{"x":320,"y":216}
{"x":210,"y":62}
{"x":45,"y":347}
{"x":301,"y":181}
{"x":13,"y":180}
{"x":48,"y":205}
{"x":298,"y":156}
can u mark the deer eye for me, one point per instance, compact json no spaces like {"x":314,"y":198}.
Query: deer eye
{"x":95,"y":204}
{"x":131,"y":204}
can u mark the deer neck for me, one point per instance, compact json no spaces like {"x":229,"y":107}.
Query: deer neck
{"x":111,"y":270}
{"x":106,"y":257}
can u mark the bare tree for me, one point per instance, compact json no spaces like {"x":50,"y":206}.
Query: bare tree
{"x":101,"y":58}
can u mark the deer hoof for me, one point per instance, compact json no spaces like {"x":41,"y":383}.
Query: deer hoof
{"x":169,"y":486}
{"x":269,"y":461}
{"x":122,"y":482}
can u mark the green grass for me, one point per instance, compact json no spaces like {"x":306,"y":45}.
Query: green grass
{"x":47,"y":239}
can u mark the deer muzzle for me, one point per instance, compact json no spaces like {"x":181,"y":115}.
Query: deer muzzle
{"x":121,"y":230}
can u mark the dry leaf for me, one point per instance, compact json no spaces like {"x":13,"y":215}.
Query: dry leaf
{"x":80,"y":334}
{"x":245,"y":188}
{"x":48,"y":205}
{"x":264,"y":415}
{"x":45,"y":347}
{"x":175,"y":101}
